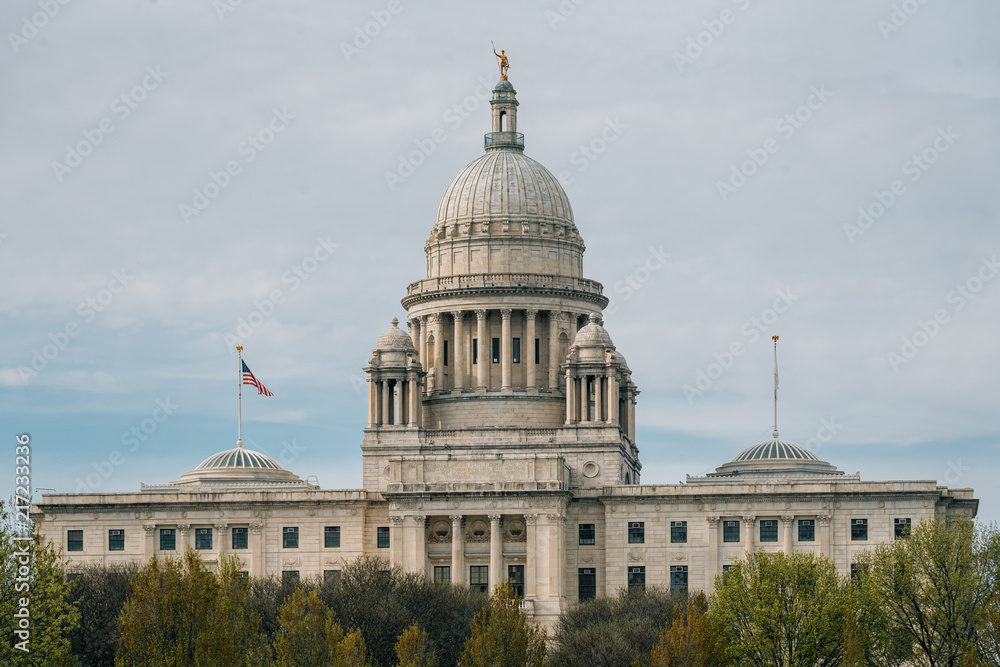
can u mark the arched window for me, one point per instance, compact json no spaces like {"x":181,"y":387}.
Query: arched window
{"x":503,"y":120}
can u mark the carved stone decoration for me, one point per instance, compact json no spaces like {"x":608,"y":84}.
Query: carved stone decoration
{"x":149,"y":528}
{"x":493,"y":503}
{"x":787,"y":519}
{"x":183,"y":527}
{"x":587,"y":557}
{"x":255,"y":528}
{"x":440,"y":532}
{"x":525,"y":228}
{"x":221,"y":527}
{"x":530,"y":519}
{"x":96,"y":515}
{"x":678,"y":556}
{"x":479,"y":531}
{"x":331,"y":560}
{"x":506,"y":225}
{"x":824,"y":519}
{"x":289,"y":561}
{"x":486,"y":227}
{"x":636,"y":556}
{"x":713,"y":521}
{"x":184,"y":514}
{"x":515,"y":531}
{"x":788,"y":505}
{"x":311,"y":512}
{"x":733,"y":555}
{"x":354,"y":511}
{"x":149,"y":515}
{"x":221,"y":514}
{"x":396,"y":520}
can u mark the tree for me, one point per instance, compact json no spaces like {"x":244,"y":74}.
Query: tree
{"x":690,"y":641}
{"x":32,"y":572}
{"x":99,"y":592}
{"x":414,"y":650}
{"x":782,"y":610}
{"x":987,"y":651}
{"x":352,"y":651}
{"x":502,"y":636}
{"x":928,"y":586}
{"x":309,"y":635}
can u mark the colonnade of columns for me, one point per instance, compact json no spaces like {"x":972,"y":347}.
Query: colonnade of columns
{"x":593,"y":398}
{"x":394,"y":401}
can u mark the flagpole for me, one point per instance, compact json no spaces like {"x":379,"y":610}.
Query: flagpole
{"x":239,"y":375}
{"x":775,"y":339}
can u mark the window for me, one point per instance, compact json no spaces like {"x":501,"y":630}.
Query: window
{"x":331,"y":576}
{"x":726,"y":568}
{"x":239,"y":538}
{"x":859,"y":529}
{"x":587,"y":579}
{"x":168,"y":539}
{"x":475,"y":350}
{"x":807,"y":530}
{"x":479,"y":578}
{"x":290,"y":577}
{"x":444,"y":353}
{"x":902,"y":528}
{"x":442,"y":574}
{"x":636,"y":532}
{"x":290,"y":537}
{"x":74,"y":540}
{"x":202,"y":538}
{"x":382,"y":537}
{"x":730,"y":531}
{"x":587,"y":533}
{"x":517,"y":350}
{"x":769,"y":530}
{"x":515,"y":574}
{"x":331,"y":537}
{"x":637,"y":577}
{"x":678,"y":531}
{"x":538,"y":351}
{"x":678,"y":578}
{"x":116,"y":540}
{"x":496,"y":350}
{"x":244,"y":574}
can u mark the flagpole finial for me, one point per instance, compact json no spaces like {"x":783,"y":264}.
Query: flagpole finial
{"x":239,"y":348}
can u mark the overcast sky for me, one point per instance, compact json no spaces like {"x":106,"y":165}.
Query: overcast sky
{"x":826,"y":172}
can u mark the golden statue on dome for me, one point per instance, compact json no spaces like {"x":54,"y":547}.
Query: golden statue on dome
{"x":504,"y":64}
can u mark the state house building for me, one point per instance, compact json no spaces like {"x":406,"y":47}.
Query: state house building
{"x":501,"y":441}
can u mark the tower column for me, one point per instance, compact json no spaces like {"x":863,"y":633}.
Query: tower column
{"x":482,"y":352}
{"x":399,"y":409}
{"x":506,"y":351}
{"x":457,"y":550}
{"x":554,"y":359}
{"x":372,"y":402}
{"x":613,"y":406}
{"x":459,"y":344}
{"x":438,"y":351}
{"x":415,"y":332}
{"x":631,"y":418}
{"x":570,"y":396}
{"x":786,"y":541}
{"x":528,"y":350}
{"x":385,"y":419}
{"x":599,"y":398}
{"x":413,"y":394}
{"x":584,"y":398}
{"x":531,"y":557}
{"x":496,"y":550}
{"x":422,"y":347}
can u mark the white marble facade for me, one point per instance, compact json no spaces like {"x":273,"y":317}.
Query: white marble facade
{"x":501,"y":441}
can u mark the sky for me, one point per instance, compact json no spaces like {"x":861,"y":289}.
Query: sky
{"x":180,"y":177}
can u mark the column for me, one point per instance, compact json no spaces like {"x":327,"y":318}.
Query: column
{"x":506,"y":351}
{"x":384,"y":419}
{"x":613,"y":406}
{"x":483,"y":359}
{"x":570,"y":386}
{"x":396,"y":540}
{"x":749,"y":525}
{"x":220,"y":534}
{"x":423,"y":343}
{"x":631,"y":419}
{"x":372,"y":402}
{"x":457,"y":550}
{"x":399,"y":407}
{"x":458,"y":342}
{"x":786,"y":540}
{"x":823,"y":535}
{"x":531,"y":560}
{"x":257,"y":548}
{"x":149,"y":540}
{"x":413,"y":393}
{"x":418,"y":544}
{"x":438,"y":352}
{"x":528,"y":350}
{"x":599,"y":399}
{"x":712,"y":559}
{"x":584,"y":398}
{"x":415,"y":332}
{"x":554,"y":360}
{"x":496,"y":551}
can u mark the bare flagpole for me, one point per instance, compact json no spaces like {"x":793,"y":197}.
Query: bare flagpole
{"x":775,"y":339}
{"x":239,"y":375}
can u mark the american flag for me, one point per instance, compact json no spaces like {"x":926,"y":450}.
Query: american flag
{"x":248,"y":378}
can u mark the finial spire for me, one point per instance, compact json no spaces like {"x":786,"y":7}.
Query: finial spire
{"x":239,"y":400}
{"x":775,"y":339}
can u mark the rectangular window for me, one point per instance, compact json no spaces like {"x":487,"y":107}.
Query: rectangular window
{"x":678,"y":578}
{"x":726,"y":568}
{"x":636,"y":532}
{"x":587,"y":533}
{"x":442,"y":574}
{"x":331,"y":537}
{"x":859,"y":529}
{"x":444,"y":353}
{"x":290,"y":577}
{"x":730,"y":531}
{"x":496,"y":350}
{"x":678,"y":531}
{"x":116,"y":540}
{"x":538,"y":350}
{"x":587,"y":581}
{"x":331,"y":577}
{"x":517,"y":350}
{"x":290,"y":537}
{"x":475,"y":351}
{"x":515,"y":574}
{"x":902,"y":528}
{"x":74,"y":540}
{"x":807,"y":530}
{"x":479,"y":578}
{"x":202,"y":538}
{"x":769,"y":530}
{"x":244,"y":574}
{"x":168,"y":539}
{"x":382,"y":537}
{"x":637,"y":577}
{"x":239,"y":538}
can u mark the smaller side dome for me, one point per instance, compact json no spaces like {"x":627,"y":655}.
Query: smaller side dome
{"x":395,"y":339}
{"x":504,"y":86}
{"x":593,"y":335}
{"x":776,"y":457}
{"x":239,"y":467}
{"x":619,"y":359}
